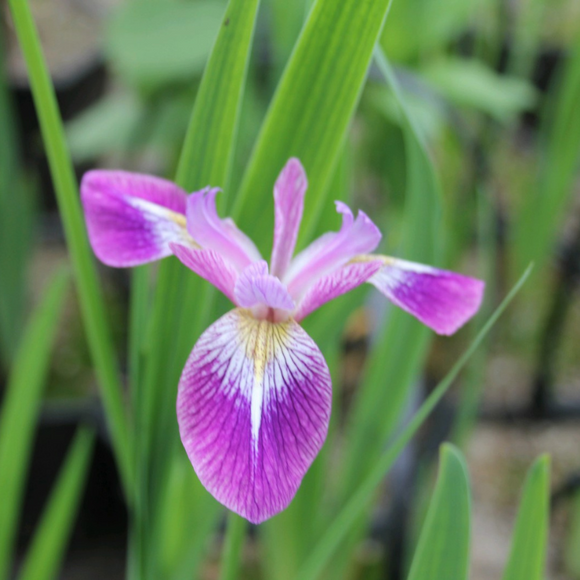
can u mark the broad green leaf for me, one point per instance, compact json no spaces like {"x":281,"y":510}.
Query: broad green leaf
{"x":92,"y":304}
{"x":182,"y":303}
{"x":527,"y":559}
{"x":45,"y":555}
{"x":358,"y":502}
{"x":20,"y":410}
{"x":471,"y":83}
{"x":311,"y":110}
{"x":158,"y":42}
{"x":443,"y":548}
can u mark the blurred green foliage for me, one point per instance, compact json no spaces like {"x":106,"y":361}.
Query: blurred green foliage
{"x":448,"y":142}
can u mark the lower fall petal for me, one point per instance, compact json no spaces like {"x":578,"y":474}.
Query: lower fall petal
{"x":253,"y":408}
{"x":441,"y":299}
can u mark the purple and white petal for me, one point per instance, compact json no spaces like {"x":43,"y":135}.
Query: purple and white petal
{"x":253,"y":408}
{"x":332,"y":250}
{"x":288,"y":206}
{"x":339,"y":282}
{"x":210,"y":231}
{"x":209,"y":265}
{"x":256,"y":287}
{"x":132,"y":218}
{"x":441,"y":299}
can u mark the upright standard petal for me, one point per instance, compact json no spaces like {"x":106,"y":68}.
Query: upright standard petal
{"x":253,"y":408}
{"x":289,"y":205}
{"x":441,"y":299}
{"x":210,"y":231}
{"x":209,"y":265}
{"x":131,"y":218}
{"x":332,"y":250}
{"x":339,"y":282}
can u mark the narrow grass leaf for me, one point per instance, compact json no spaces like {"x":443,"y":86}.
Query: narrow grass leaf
{"x":91,"y":299}
{"x":527,"y":559}
{"x":311,"y":110}
{"x":45,"y":555}
{"x":20,"y":410}
{"x":358,"y":502}
{"x":443,"y":548}
{"x":398,"y":352}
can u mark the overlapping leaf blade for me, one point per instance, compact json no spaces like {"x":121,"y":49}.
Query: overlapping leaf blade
{"x":443,"y":548}
{"x":312,"y":109}
{"x":527,"y":559}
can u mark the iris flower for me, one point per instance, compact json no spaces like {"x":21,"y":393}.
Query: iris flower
{"x":254,"y":398}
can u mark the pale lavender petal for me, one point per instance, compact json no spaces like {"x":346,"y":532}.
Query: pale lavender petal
{"x":210,"y":231}
{"x":132,"y":218}
{"x":209,"y":265}
{"x":339,"y":282}
{"x":256,"y":287}
{"x":441,"y":299}
{"x":289,"y":204}
{"x":332,"y":250}
{"x":253,"y":408}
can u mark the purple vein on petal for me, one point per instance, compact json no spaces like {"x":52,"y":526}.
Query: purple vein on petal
{"x":441,"y":299}
{"x":253,"y":408}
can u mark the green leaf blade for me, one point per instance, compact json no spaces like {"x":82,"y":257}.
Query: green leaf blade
{"x":49,"y":543}
{"x":62,"y":172}
{"x":20,"y":410}
{"x":443,"y":548}
{"x":312,"y":108}
{"x":527,"y":559}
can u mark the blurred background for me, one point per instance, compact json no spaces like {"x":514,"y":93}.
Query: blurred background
{"x":494,"y":89}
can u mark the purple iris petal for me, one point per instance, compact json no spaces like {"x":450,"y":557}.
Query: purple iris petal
{"x":255,"y":286}
{"x":132,"y":218}
{"x":332,"y":250}
{"x":209,"y":265}
{"x":441,"y":299}
{"x":339,"y":282}
{"x":289,"y":205}
{"x":253,"y":408}
{"x":210,"y":231}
